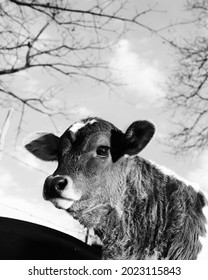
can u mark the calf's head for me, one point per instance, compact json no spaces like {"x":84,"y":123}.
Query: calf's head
{"x":87,"y":154}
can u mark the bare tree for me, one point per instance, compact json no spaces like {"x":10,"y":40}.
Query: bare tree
{"x":188,"y":86}
{"x":59,"y":38}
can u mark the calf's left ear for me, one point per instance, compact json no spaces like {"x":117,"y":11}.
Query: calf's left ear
{"x":138,"y":136}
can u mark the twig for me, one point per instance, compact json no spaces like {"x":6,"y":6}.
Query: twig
{"x":5,"y":129}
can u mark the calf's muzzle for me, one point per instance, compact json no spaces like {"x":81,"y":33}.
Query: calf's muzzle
{"x":54,"y":186}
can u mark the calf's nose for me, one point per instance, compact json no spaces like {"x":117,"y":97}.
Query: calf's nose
{"x":60,"y":183}
{"x":53,"y":186}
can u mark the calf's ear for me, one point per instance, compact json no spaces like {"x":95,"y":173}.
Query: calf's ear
{"x":44,"y":146}
{"x":138,"y":136}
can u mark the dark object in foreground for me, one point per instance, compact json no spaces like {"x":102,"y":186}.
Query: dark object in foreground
{"x":20,"y":240}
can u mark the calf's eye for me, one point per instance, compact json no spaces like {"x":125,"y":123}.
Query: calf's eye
{"x":102,"y":151}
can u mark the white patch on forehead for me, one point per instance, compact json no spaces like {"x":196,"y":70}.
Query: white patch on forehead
{"x":170,"y":172}
{"x":77,"y":126}
{"x":92,"y":121}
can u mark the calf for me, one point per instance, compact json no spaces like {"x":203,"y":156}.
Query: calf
{"x":137,"y":210}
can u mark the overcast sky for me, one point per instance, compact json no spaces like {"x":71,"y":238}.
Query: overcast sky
{"x":144,"y":63}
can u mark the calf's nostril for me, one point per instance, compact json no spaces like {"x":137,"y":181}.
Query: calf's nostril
{"x":61,"y":184}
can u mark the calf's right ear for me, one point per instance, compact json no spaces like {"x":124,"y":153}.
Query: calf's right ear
{"x":44,"y":146}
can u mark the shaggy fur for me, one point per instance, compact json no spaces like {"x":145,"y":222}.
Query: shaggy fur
{"x":150,"y":215}
{"x":137,"y":211}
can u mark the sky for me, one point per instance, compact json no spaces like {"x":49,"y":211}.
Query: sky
{"x":144,"y":63}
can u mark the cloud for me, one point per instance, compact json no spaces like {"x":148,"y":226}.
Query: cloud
{"x":29,"y":161}
{"x":200,"y":173}
{"x":24,"y":83}
{"x":6,"y":180}
{"x":140,"y":75}
{"x":24,"y":156}
{"x":81,"y":111}
{"x":1,"y":192}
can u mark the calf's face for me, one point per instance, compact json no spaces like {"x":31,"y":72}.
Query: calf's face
{"x":86,"y":154}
